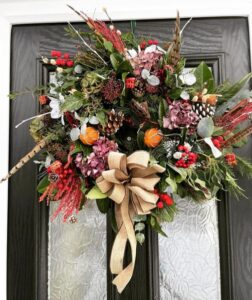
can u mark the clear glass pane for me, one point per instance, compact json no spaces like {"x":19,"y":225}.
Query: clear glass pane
{"x":77,"y":262}
{"x":77,"y":256}
{"x":189,"y":256}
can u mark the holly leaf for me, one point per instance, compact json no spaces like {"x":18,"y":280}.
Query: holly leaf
{"x":204,"y":78}
{"x":95,"y":193}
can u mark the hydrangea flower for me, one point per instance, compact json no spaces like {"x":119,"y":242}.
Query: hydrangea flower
{"x":180,"y":115}
{"x":97,"y":161}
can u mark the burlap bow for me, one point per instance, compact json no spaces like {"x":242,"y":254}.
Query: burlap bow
{"x":129,"y":182}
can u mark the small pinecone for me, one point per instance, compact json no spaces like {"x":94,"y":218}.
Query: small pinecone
{"x":112,"y":89}
{"x":58,"y":151}
{"x":151,"y":89}
{"x":170,"y":146}
{"x":115,"y":121}
{"x":203,"y":109}
{"x":139,"y":89}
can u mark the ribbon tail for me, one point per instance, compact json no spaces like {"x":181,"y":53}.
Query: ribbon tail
{"x":127,"y":229}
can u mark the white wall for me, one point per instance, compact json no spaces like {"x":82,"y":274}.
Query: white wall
{"x":30,"y":11}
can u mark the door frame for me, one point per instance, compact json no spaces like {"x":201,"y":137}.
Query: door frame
{"x":28,"y":12}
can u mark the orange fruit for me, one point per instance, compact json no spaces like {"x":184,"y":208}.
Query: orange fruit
{"x":152,"y":137}
{"x":90,"y":137}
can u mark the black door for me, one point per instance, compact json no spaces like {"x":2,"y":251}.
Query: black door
{"x":224,"y":44}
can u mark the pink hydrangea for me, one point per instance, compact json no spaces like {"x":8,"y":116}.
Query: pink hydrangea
{"x":180,"y":115}
{"x":97,"y":161}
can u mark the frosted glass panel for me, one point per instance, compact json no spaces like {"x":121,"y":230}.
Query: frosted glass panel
{"x":77,"y":256}
{"x":189,"y":257}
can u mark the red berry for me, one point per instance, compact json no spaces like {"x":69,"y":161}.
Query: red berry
{"x":150,"y":42}
{"x":70,"y":171}
{"x":66,"y":55}
{"x":160,"y":204}
{"x":65,"y":172}
{"x":156,"y":192}
{"x":69,"y":63}
{"x":60,"y":186}
{"x":155,"y":42}
{"x":143,"y":45}
{"x":169,"y":201}
{"x":48,"y":170}
{"x":181,"y":148}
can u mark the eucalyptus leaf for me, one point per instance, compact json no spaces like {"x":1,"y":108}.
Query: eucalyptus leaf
{"x":139,"y":226}
{"x":205,"y":127}
{"x":140,"y":237}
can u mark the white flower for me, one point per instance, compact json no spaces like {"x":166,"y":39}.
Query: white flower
{"x":56,"y":112}
{"x":45,"y":60}
{"x":93,"y":120}
{"x":52,"y":61}
{"x":132,"y":53}
{"x":151,"y":79}
{"x":184,"y":95}
{"x":177,"y":155}
{"x":59,"y":70}
{"x":154,"y":48}
{"x":76,"y":132}
{"x":188,"y":146}
{"x":187,"y":78}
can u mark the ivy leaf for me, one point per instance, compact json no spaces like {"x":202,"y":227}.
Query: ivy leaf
{"x":95,"y":193}
{"x":103,"y":205}
{"x":204,"y":78}
{"x":71,"y":103}
{"x":205,"y":127}
{"x":43,"y":184}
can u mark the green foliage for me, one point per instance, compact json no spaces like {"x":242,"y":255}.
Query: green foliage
{"x":154,"y":223}
{"x":244,"y":167}
{"x":205,"y":127}
{"x":95,"y":193}
{"x":72,"y":102}
{"x":103,"y":205}
{"x":108,"y":46}
{"x":43,"y":184}
{"x":79,"y":147}
{"x":204,"y":78}
{"x":228,"y":91}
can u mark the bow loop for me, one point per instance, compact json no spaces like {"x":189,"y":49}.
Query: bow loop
{"x":129,"y":182}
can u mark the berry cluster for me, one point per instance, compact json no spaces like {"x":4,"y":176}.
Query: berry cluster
{"x":218,"y":141}
{"x":185,"y":157}
{"x":231,"y":159}
{"x":64,"y":174}
{"x":62,"y":59}
{"x":150,"y":42}
{"x":164,"y":198}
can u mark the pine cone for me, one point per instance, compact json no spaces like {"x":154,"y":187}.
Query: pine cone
{"x":203,"y":109}
{"x":139,"y":89}
{"x":112,"y":89}
{"x":115,"y":121}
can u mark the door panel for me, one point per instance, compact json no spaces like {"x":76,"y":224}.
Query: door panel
{"x":223,"y":38}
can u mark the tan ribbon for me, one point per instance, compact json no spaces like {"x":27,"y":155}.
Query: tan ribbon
{"x":129,"y":182}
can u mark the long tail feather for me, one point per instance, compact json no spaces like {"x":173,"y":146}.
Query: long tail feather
{"x":24,"y":160}
{"x":175,"y":52}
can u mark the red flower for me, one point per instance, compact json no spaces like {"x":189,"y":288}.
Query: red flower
{"x":231,"y":159}
{"x":217,"y":141}
{"x":130,"y":82}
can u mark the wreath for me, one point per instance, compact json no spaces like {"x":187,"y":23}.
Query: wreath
{"x":125,"y":124}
